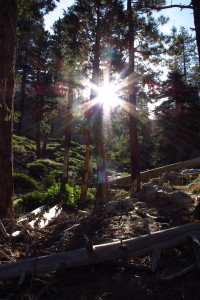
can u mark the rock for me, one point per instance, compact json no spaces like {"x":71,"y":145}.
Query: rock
{"x":162,"y":195}
{"x":170,"y":178}
{"x":111,"y":207}
{"x":148,"y":193}
{"x":125,"y":204}
{"x":194,"y":187}
{"x":166,"y":188}
{"x":181,"y":198}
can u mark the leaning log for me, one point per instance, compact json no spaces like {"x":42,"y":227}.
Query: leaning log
{"x":157,"y":172}
{"x":135,"y":247}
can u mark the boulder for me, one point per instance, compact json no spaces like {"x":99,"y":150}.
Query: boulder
{"x":111,"y":207}
{"x":148,"y":193}
{"x":166,"y":188}
{"x":125,"y":204}
{"x":170,"y":178}
{"x":181,"y":199}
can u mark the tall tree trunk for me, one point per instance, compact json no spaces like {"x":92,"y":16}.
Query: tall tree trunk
{"x":102,"y":181}
{"x":22,"y":99}
{"x":44,"y":146}
{"x":88,"y":154}
{"x":68,"y":133}
{"x":8,"y":23}
{"x":134,"y":148}
{"x":38,"y":138}
{"x":102,"y":195}
{"x":196,"y":10}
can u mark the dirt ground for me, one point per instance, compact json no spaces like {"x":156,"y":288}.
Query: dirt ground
{"x":131,"y":279}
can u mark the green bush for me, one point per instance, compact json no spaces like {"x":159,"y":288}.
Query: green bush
{"x":33,"y":200}
{"x":50,"y":163}
{"x":52,"y":193}
{"x":44,"y":166}
{"x":22,"y":144}
{"x":121,"y":193}
{"x":72,"y":194}
{"x":37,"y":168}
{"x":22,"y":180}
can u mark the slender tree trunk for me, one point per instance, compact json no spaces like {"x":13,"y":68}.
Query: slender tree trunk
{"x":102,"y":181}
{"x":102,"y":195}
{"x":196,"y":10}
{"x":88,"y":154}
{"x":38,"y":138}
{"x":68,"y":133}
{"x":135,"y":157}
{"x":8,"y":23}
{"x":22,"y":99}
{"x":44,"y":146}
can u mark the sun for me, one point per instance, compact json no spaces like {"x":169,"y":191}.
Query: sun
{"x":108,"y":96}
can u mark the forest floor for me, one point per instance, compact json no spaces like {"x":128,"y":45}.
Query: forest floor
{"x":131,"y":279}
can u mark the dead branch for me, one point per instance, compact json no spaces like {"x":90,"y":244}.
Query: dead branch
{"x":180,"y":273}
{"x":135,"y":247}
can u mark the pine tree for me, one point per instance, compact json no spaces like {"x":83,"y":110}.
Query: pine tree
{"x":8,"y":23}
{"x":177,"y":120}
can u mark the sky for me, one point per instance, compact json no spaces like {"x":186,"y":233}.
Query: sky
{"x":178,"y":17}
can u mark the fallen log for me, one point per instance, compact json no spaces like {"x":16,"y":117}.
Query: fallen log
{"x":42,"y":220}
{"x":139,"y":246}
{"x":146,"y":175}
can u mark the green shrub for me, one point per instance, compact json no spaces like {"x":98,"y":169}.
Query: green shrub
{"x":121,"y":193}
{"x":52,"y":193}
{"x":37,"y":168}
{"x":31,"y":201}
{"x":22,"y":144}
{"x":91,"y":193}
{"x":22,"y":180}
{"x":50,"y":163}
{"x":44,"y":166}
{"x":72,"y":194}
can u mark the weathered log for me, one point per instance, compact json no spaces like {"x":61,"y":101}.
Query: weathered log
{"x":41,"y":221}
{"x":139,"y":246}
{"x":32,"y":215}
{"x":146,"y":175}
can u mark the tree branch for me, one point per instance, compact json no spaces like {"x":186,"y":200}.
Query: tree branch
{"x":171,"y":6}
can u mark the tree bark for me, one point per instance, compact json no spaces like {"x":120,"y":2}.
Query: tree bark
{"x":134,"y":148}
{"x":102,"y":196}
{"x":22,"y":100}
{"x":68,"y":133}
{"x":8,"y":23}
{"x":88,"y":154}
{"x":38,"y":138}
{"x":136,"y":247}
{"x":196,"y":10}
